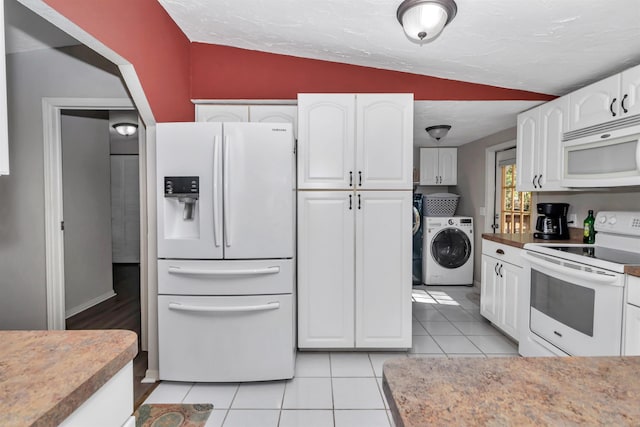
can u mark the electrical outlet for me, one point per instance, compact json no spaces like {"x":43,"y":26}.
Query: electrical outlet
{"x":572,"y":220}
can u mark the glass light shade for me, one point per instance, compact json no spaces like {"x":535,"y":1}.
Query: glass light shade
{"x":424,"y":21}
{"x":125,"y":129}
{"x":438,"y":132}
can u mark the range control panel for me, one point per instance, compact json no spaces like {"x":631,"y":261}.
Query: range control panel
{"x":625,"y":223}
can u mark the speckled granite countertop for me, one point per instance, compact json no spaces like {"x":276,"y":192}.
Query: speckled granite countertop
{"x":513,"y":391}
{"x":46,"y":375}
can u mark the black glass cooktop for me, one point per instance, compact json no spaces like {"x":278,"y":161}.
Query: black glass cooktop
{"x":606,"y":254}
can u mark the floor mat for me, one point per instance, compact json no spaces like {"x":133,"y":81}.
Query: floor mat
{"x":173,"y":415}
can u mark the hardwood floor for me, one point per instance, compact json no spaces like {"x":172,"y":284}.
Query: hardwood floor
{"x":120,"y":312}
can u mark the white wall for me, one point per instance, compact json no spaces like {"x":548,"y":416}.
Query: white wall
{"x":30,"y":77}
{"x":88,"y":276}
{"x":471,"y":187}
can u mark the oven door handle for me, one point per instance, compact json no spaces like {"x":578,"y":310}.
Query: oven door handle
{"x":600,"y":278}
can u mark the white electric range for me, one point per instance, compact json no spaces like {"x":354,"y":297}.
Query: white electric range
{"x":574,"y":302}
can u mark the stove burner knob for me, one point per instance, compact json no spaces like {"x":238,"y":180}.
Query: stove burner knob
{"x":613,"y":220}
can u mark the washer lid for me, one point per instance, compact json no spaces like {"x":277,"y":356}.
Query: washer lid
{"x":451,"y":248}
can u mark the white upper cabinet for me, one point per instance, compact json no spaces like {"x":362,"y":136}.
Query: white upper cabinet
{"x":361,"y":141}
{"x":610,"y":99}
{"x":539,"y":152}
{"x":526,"y":152}
{"x":439,"y":166}
{"x":275,"y":114}
{"x":384,"y":141}
{"x":326,"y":141}
{"x":222,"y":113}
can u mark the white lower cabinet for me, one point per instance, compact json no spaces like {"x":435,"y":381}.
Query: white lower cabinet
{"x":501,"y":283}
{"x":111,"y":405}
{"x":632,"y":318}
{"x":354,"y":269}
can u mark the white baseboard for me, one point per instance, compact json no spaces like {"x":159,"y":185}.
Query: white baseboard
{"x":88,"y":304}
{"x":151,"y":376}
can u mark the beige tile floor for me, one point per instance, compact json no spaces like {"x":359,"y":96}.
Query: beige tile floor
{"x":343,"y":389}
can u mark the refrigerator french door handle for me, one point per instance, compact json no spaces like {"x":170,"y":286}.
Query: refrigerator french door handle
{"x":217,"y":272}
{"x":217,"y":230}
{"x":213,"y":309}
{"x":226,"y":196}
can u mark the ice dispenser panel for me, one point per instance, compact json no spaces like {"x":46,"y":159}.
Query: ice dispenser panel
{"x":181,"y":209}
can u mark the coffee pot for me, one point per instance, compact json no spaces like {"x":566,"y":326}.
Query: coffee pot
{"x":552,"y":221}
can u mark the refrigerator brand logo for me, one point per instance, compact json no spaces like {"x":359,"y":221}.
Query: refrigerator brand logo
{"x":278,"y":130}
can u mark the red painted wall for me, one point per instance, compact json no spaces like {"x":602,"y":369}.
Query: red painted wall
{"x":142,"y":32}
{"x":173,"y":71}
{"x":222,"y":72}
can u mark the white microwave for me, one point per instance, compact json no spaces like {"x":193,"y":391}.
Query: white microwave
{"x":604,"y":158}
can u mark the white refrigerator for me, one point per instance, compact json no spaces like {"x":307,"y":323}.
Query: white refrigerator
{"x":226,"y":209}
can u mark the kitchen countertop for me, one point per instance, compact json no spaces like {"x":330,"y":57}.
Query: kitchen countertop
{"x":519,"y":240}
{"x":46,"y":375}
{"x":513,"y":391}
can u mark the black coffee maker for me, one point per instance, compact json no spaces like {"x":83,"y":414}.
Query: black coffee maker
{"x":552,"y":221}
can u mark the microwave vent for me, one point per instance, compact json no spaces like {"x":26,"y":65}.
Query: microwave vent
{"x":602,"y":128}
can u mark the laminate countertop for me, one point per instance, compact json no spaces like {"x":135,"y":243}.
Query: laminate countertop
{"x":46,"y":375}
{"x":518,"y":391}
{"x":519,"y":240}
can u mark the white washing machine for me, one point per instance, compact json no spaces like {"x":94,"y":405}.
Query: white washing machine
{"x":448,"y":250}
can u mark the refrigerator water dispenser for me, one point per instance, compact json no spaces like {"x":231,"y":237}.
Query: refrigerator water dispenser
{"x":181,"y":209}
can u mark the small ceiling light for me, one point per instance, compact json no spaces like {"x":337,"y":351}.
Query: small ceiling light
{"x":423,"y":20}
{"x":438,"y":132}
{"x":126,"y":129}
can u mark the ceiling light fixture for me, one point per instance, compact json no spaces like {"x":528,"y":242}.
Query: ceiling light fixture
{"x":438,"y":132}
{"x":125,"y":129}
{"x":423,"y":20}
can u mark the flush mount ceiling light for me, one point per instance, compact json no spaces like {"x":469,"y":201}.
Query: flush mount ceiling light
{"x":126,"y":129}
{"x":423,"y":20}
{"x":438,"y":132}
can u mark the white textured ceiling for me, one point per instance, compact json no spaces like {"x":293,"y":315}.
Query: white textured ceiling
{"x":546,"y":46}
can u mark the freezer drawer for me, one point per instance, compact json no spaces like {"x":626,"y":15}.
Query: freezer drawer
{"x":226,"y":339}
{"x":257,"y":277}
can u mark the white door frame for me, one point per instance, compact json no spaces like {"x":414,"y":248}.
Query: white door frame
{"x":490,"y":185}
{"x":54,"y":237}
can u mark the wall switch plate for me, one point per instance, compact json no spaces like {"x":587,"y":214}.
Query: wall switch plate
{"x":483,"y":211}
{"x":572,"y":220}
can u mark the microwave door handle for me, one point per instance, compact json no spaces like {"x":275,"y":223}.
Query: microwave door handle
{"x":600,"y":278}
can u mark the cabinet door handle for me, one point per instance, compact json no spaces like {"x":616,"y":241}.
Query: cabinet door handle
{"x":500,"y":251}
{"x":533,"y":181}
{"x":359,"y":178}
{"x":359,"y":202}
{"x":350,"y":202}
{"x":350,"y":178}
{"x":495,"y":268}
{"x":539,"y":178}
{"x":624,"y":109}
{"x":500,"y":270}
{"x":611,"y":107}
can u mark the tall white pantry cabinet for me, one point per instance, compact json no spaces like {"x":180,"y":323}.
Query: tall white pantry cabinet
{"x":355,"y":163}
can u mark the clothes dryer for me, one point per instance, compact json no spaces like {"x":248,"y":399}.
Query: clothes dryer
{"x":448,"y":251}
